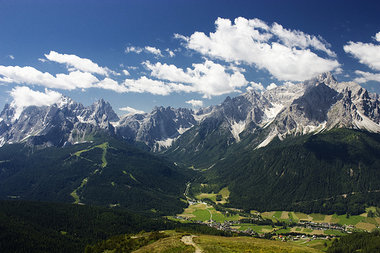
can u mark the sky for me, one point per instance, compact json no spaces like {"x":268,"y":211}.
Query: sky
{"x":138,"y":54}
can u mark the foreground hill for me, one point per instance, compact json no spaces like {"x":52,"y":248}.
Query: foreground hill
{"x":105,"y":172}
{"x":169,"y":241}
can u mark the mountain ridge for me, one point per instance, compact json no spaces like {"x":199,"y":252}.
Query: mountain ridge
{"x":315,"y":105}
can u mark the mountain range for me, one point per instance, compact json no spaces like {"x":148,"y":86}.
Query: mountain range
{"x":301,"y":145}
{"x":316,"y":105}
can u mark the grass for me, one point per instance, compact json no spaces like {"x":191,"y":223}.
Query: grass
{"x":302,"y":216}
{"x":170,"y":244}
{"x":317,"y":244}
{"x":202,"y":212}
{"x":103,"y":146}
{"x":225,"y":193}
{"x":283,"y":231}
{"x":211,"y":244}
{"x":246,"y":244}
{"x":202,"y":215}
{"x":317,"y":217}
{"x":351,"y":220}
{"x":365,"y":226}
{"x":75,"y":195}
{"x":256,"y":228}
{"x":333,"y":232}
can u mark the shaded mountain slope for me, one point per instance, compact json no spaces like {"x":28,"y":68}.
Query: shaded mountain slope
{"x":105,"y":172}
{"x":337,"y":171}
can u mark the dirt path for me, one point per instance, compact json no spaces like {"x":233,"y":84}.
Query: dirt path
{"x":188,"y":240}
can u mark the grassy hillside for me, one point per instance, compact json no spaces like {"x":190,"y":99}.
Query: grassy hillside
{"x":337,"y":171}
{"x":185,"y":242}
{"x":105,"y":172}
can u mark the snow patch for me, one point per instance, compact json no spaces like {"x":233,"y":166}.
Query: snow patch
{"x":273,"y":111}
{"x":269,"y":138}
{"x":181,"y":130}
{"x":367,"y":123}
{"x":115,"y":123}
{"x":200,"y":117}
{"x":2,"y":141}
{"x":165,"y":143}
{"x":236,"y":129}
{"x":82,"y":120}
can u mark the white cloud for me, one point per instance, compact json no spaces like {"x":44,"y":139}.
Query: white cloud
{"x":300,"y":39}
{"x":126,"y":72}
{"x":195,"y":103}
{"x":73,"y":80}
{"x":286,"y":54}
{"x":377,"y":37}
{"x":110,"y":84}
{"x":30,"y":75}
{"x":271,"y":86}
{"x":144,"y":84}
{"x":366,"y":76}
{"x":153,"y":50}
{"x":256,"y":86}
{"x":23,"y":97}
{"x":181,"y":37}
{"x":133,"y":49}
{"x":366,"y":53}
{"x":131,"y":110}
{"x":338,"y":71}
{"x":170,"y":52}
{"x":11,"y":57}
{"x":208,"y":78}
{"x":76,"y":63}
{"x":147,"y":49}
{"x":42,"y":59}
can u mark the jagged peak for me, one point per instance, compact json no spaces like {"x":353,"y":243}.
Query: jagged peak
{"x":326,"y":78}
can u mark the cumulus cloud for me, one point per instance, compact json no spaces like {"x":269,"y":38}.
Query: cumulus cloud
{"x":271,"y":86}
{"x":377,"y":37}
{"x":286,"y":54}
{"x":366,"y":76}
{"x":30,"y":75}
{"x":207,"y":78}
{"x":170,"y":52}
{"x":23,"y":97}
{"x":153,"y":50}
{"x":73,"y":80}
{"x":133,"y":49}
{"x":126,"y":72}
{"x":294,"y":38}
{"x":256,"y":86}
{"x":366,"y":53}
{"x":195,"y":103}
{"x":131,"y":110}
{"x":146,"y":49}
{"x":110,"y":84}
{"x":77,"y":63}
{"x":11,"y":57}
{"x":156,"y":87}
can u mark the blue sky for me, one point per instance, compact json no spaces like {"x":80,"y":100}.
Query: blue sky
{"x":141,"y":54}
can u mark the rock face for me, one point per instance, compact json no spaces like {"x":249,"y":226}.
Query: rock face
{"x":292,"y":109}
{"x":157,"y":129}
{"x":56,"y":125}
